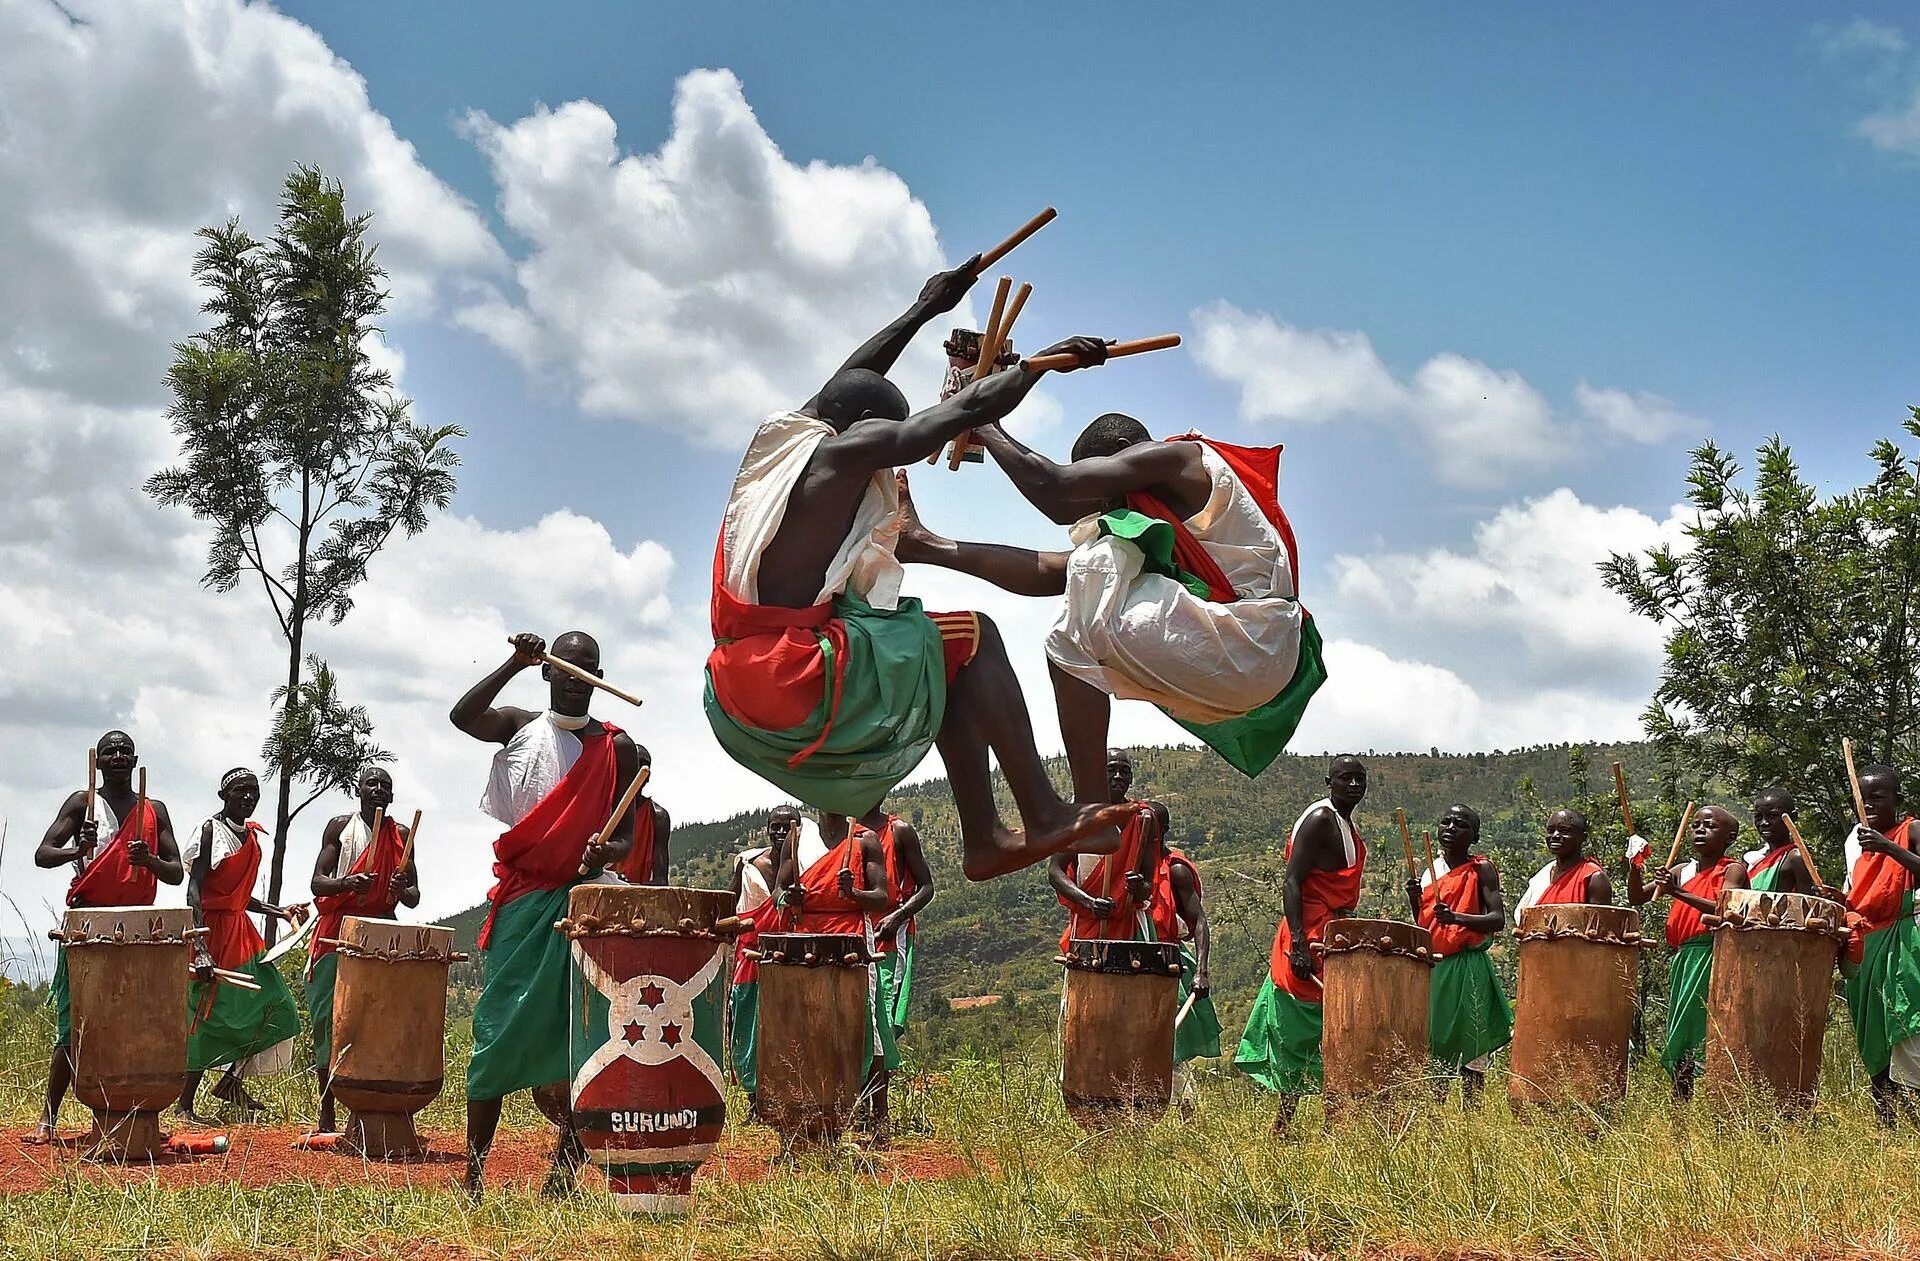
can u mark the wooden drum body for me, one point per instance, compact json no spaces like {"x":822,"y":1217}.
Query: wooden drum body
{"x":814,"y":1034}
{"x":1379,"y":977}
{"x":1116,"y":1042}
{"x":127,"y":972}
{"x":1573,"y":1012}
{"x":645,"y":1012}
{"x":1773,"y":958}
{"x":389,"y":1021}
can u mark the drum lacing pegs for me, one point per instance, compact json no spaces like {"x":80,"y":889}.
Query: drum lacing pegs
{"x":851,"y":959}
{"x":747,"y":952}
{"x":119,"y":934}
{"x":686,"y":925}
{"x":810,"y":957}
{"x":730,"y":925}
{"x":1065,"y":961}
{"x":778,"y":956}
{"x":1422,"y":952}
{"x":1136,"y":963}
{"x":639,"y":925}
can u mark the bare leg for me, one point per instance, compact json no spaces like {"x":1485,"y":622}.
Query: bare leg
{"x":1683,"y":1080}
{"x":1084,"y":711}
{"x":59,"y":1080}
{"x":229,"y":1089}
{"x":1283,"y":1117}
{"x":876,"y":1105}
{"x":1019,"y":570}
{"x":483,"y":1119}
{"x":985,"y":711}
{"x":1473,"y":1087}
{"x":568,"y":1154}
{"x":189,"y":1096}
{"x":325,"y":1125}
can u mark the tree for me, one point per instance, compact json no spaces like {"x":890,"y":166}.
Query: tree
{"x":298,"y":452}
{"x":1791,"y":623}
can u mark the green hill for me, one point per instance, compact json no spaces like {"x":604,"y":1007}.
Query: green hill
{"x":999,"y":937}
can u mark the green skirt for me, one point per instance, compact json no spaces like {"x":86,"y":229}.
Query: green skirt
{"x":1198,"y":1036}
{"x":227,"y":1024}
{"x":897,"y":965}
{"x":1280,"y":1049}
{"x":62,"y":1001}
{"x":320,"y":1008}
{"x":1468,"y":1015}
{"x":1687,"y":979}
{"x":1884,"y":995}
{"x":520,"y":1022}
{"x":880,"y":1035}
{"x":743,"y":1017}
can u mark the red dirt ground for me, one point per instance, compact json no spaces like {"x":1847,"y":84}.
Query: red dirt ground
{"x":263,"y":1156}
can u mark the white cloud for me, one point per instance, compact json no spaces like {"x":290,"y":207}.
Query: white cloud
{"x":1889,"y":73}
{"x":1477,"y":425}
{"x":703,"y":285}
{"x":1896,"y":128}
{"x":1861,"y":35}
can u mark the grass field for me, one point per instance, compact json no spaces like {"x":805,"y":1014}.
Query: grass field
{"x":989,"y":1166}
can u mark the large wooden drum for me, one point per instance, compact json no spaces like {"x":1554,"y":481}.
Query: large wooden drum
{"x":815,"y":1033}
{"x":1573,"y":1012}
{"x":127,"y":972}
{"x":389,"y":1017}
{"x":645,"y":1034}
{"x":1373,"y":1044}
{"x":1116,"y":1041}
{"x":1773,"y":957}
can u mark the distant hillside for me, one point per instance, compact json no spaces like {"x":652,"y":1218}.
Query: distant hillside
{"x":1000,"y":937}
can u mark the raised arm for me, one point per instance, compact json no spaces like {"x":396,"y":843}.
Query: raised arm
{"x":940,"y":294}
{"x":1068,"y":492}
{"x":475,"y":714}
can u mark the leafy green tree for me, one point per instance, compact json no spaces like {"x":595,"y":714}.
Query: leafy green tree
{"x":1791,"y":622}
{"x":298,"y":452}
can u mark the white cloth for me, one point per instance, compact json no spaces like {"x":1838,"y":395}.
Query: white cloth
{"x":1141,"y":636}
{"x":809,"y":846}
{"x":226,"y":842}
{"x":526,"y":769}
{"x":754,"y":890}
{"x":777,"y":456}
{"x":1440,"y":868}
{"x":355,"y":837}
{"x":1638,"y":845}
{"x":1349,"y":838}
{"x":1536,"y":888}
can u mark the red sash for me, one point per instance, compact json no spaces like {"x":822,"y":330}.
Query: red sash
{"x":232,"y":939}
{"x":1258,"y":470}
{"x":1570,"y":889}
{"x":822,"y":909}
{"x":1324,"y":895}
{"x":111,"y":879}
{"x":1771,"y":860}
{"x":1108,"y":879}
{"x":1684,"y":922}
{"x":1164,"y":909}
{"x":769,"y":664}
{"x":1459,"y":889}
{"x":638,"y":867}
{"x":381,"y":858}
{"x":543,"y":850}
{"x":900,"y":885}
{"x":1879,"y":882}
{"x":761,"y":919}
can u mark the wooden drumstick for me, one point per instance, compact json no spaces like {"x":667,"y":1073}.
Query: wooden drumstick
{"x":989,"y":340}
{"x":1013,"y":242}
{"x":1680,"y":833}
{"x":93,"y":782}
{"x":379,"y":821}
{"x":140,"y":809}
{"x":587,"y":677}
{"x":989,"y":352}
{"x":1853,"y":780}
{"x":406,"y":852}
{"x":1620,"y":791}
{"x":1406,"y":840}
{"x":1426,"y":843}
{"x":1118,"y":350}
{"x":620,"y":811}
{"x":1186,"y":1009}
{"x":1806,"y":855}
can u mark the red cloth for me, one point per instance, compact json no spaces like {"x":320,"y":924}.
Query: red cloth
{"x":543,"y":850}
{"x":1460,"y":890}
{"x":1879,"y":882}
{"x":768,"y":666}
{"x":111,"y":879}
{"x":1258,"y":470}
{"x":1684,"y":922}
{"x":822,"y":909}
{"x":637,"y":868}
{"x":381,"y":859}
{"x":1570,"y":889}
{"x":900,"y":885}
{"x":1771,"y":860}
{"x":1324,"y":896}
{"x":1108,"y":879}
{"x":1164,"y":909}
{"x":761,"y":919}
{"x":232,"y":939}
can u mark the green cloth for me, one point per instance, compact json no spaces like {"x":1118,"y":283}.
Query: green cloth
{"x":1252,"y":741}
{"x":62,"y":1001}
{"x":896,"y":967}
{"x":743,"y":1015}
{"x":1280,"y":1049}
{"x":227,"y":1024}
{"x":880,"y":1019}
{"x":1198,"y":1035}
{"x":520,"y":1022}
{"x":892,"y":701}
{"x":1884,"y":995}
{"x":1468,"y":1015}
{"x":1687,"y":978}
{"x":320,"y":1008}
{"x":1764,"y":882}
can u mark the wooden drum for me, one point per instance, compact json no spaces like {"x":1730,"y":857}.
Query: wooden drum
{"x":1373,"y":1043}
{"x":389,"y":1018}
{"x":127,"y":971}
{"x":645,"y":1037}
{"x":1573,"y":1013}
{"x":1116,"y":1042}
{"x":1773,"y":957}
{"x":815,"y":1034}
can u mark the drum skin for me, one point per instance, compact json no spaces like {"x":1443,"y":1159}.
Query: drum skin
{"x":1116,"y":1041}
{"x":1767,"y":1000}
{"x":814,"y":1033}
{"x":1375,"y":1008}
{"x":1573,"y":1009}
{"x":129,"y":1000}
{"x":645,"y":1038}
{"x":389,"y":1023}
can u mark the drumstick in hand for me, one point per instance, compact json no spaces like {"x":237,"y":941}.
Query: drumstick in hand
{"x":989,"y":352}
{"x":1406,"y":840}
{"x":406,"y":851}
{"x":93,"y":783}
{"x":620,"y":811}
{"x":1806,"y":855}
{"x":1013,"y":242}
{"x":1118,"y":350}
{"x":1620,"y":791}
{"x":1853,"y":780}
{"x":586,"y":676}
{"x":1679,"y":834}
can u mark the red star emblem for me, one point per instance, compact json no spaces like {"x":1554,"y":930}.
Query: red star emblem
{"x":652,"y":996}
{"x":635,"y":1033}
{"x":670,"y":1035}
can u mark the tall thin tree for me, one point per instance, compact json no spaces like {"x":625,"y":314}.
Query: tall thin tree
{"x":298,"y":452}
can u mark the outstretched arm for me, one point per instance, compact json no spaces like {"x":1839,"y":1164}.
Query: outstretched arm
{"x":940,"y":294}
{"x":1068,"y":492}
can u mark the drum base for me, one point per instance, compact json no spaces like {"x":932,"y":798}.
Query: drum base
{"x":383,"y":1136}
{"x":122,"y":1137}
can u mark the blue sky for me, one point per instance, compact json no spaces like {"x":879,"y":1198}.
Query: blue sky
{"x":1487,"y":271}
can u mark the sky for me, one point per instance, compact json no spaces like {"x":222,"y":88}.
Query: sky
{"x":1489,"y":272}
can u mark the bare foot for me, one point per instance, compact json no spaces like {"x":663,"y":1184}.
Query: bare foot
{"x":39,"y":1136}
{"x":194,"y":1118}
{"x":561,"y":1182}
{"x":1088,"y":829}
{"x":917,"y":542}
{"x":471,"y":1184}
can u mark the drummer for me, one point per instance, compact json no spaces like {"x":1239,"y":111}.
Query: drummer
{"x":1695,"y":888}
{"x":754,"y":872}
{"x":649,"y":859}
{"x":1882,"y":870}
{"x":909,"y":889}
{"x":138,"y":855}
{"x":1777,"y":867}
{"x":248,"y":1030}
{"x":1457,"y":900}
{"x":1325,"y":859}
{"x":1570,"y":877}
{"x":354,"y":874}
